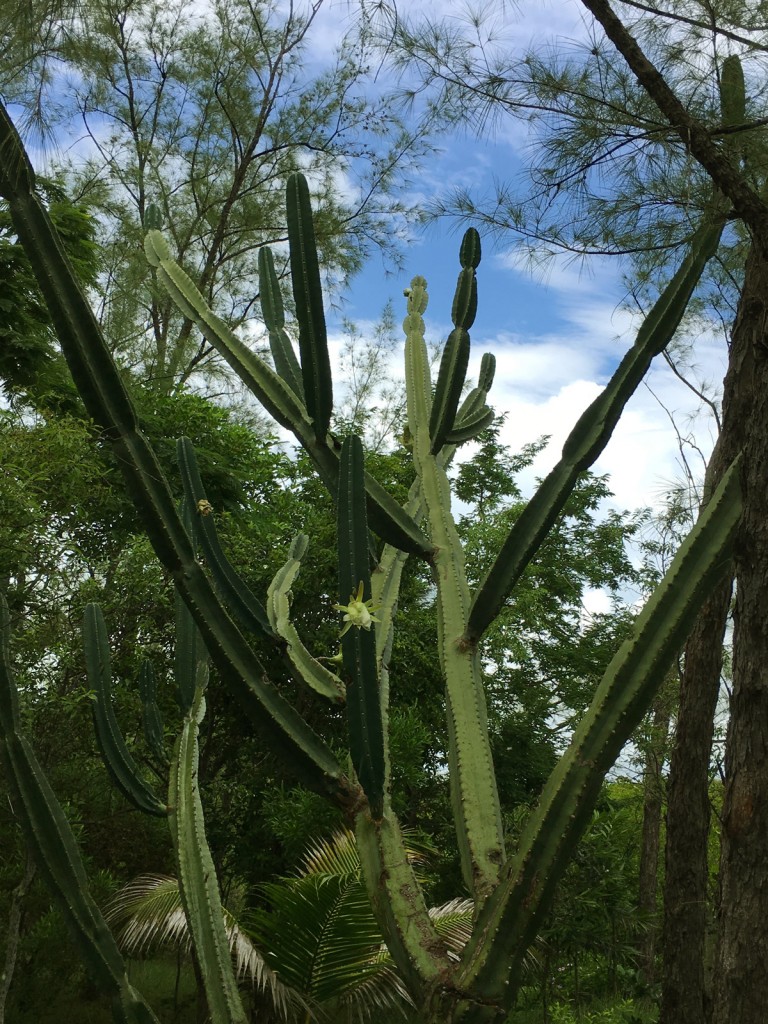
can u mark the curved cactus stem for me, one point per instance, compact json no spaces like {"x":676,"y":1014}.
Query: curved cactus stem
{"x":271,"y":390}
{"x":473,"y":784}
{"x":358,"y":644}
{"x":308,"y":296}
{"x":198,"y":884}
{"x":107,"y":402}
{"x":471,"y":426}
{"x":151,"y":721}
{"x":314,"y":674}
{"x":116,"y":756}
{"x":55,"y":850}
{"x":398,"y":903}
{"x":234,"y":589}
{"x":509,"y":919}
{"x":270,"y":296}
{"x":385,"y":515}
{"x":590,"y":435}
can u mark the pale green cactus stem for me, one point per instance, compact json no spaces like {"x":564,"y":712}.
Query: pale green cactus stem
{"x":198,"y":884}
{"x":310,"y":670}
{"x":473,"y":783}
{"x":510,"y":917}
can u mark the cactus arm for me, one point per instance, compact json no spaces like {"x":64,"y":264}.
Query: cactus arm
{"x":115,"y":754}
{"x":308,"y":296}
{"x":235,"y":591}
{"x":358,"y":643}
{"x":198,"y":884}
{"x":315,"y":675}
{"x":590,"y":435}
{"x":471,"y":426}
{"x":473,"y":786}
{"x":270,"y":296}
{"x":508,"y":921}
{"x":53,"y":844}
{"x":107,"y":402}
{"x":398,"y":904}
{"x":151,"y":721}
{"x":386,"y":516}
{"x":450,"y":382}
{"x":272,"y":391}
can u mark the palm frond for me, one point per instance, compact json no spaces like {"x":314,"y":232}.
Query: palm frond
{"x":148,"y":912}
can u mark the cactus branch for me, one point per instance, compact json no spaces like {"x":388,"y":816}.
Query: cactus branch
{"x":55,"y":850}
{"x":590,"y":435}
{"x":507,"y":923}
{"x":116,"y":755}
{"x":473,"y":784}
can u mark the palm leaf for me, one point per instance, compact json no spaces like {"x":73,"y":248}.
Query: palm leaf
{"x":148,"y":912}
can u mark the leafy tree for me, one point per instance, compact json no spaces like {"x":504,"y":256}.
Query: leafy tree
{"x":202,"y":115}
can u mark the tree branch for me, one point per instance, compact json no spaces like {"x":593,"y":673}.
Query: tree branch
{"x":696,"y":138}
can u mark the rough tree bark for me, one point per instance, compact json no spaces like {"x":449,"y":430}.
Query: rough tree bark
{"x":653,"y":800}
{"x":15,"y":918}
{"x":683,"y":993}
{"x":741,"y":978}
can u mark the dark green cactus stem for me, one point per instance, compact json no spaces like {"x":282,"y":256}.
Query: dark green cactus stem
{"x":151,"y":721}
{"x":464,"y":307}
{"x":153,"y":217}
{"x":50,"y":838}
{"x":107,"y":402}
{"x":473,"y":784}
{"x":470,"y":251}
{"x":198,"y":884}
{"x":487,"y":372}
{"x":238,"y":595}
{"x":308,"y":296}
{"x":590,"y":435}
{"x":450,"y":384}
{"x":117,"y":757}
{"x":510,"y":917}
{"x":358,"y":645}
{"x":271,"y":298}
{"x":733,"y":98}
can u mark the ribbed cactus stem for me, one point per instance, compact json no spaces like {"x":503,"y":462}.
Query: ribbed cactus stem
{"x":508,"y":922}
{"x":198,"y":884}
{"x":591,"y":433}
{"x":54,"y":847}
{"x":473,"y":784}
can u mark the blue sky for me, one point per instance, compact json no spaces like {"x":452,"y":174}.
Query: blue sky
{"x":559,"y":334}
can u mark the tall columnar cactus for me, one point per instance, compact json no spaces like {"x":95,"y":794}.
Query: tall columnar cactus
{"x":510,"y":890}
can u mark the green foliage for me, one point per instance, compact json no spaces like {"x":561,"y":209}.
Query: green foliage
{"x":31,"y":366}
{"x":511,"y":891}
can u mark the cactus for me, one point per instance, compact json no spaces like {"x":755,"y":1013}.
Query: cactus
{"x":510,"y":890}
{"x":117,"y":758}
{"x":54,"y":847}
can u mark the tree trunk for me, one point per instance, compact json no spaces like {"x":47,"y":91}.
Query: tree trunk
{"x":683,"y":995}
{"x":15,"y":914}
{"x":653,"y":798}
{"x":741,"y":978}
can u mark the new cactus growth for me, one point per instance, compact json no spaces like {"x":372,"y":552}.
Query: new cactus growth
{"x":510,"y":890}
